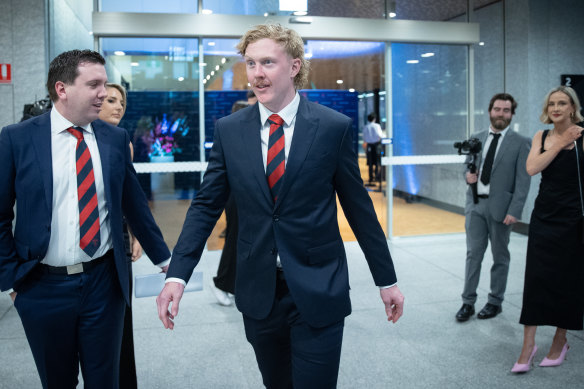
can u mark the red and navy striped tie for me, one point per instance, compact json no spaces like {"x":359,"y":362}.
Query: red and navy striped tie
{"x":87,"y":196}
{"x":276,"y":157}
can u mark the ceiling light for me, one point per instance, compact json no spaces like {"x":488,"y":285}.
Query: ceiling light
{"x":413,"y":61}
{"x":119,"y":52}
{"x":481,"y":43}
{"x":181,"y":78}
{"x":206,"y":12}
{"x":203,"y":63}
{"x":208,"y":77}
{"x":265,"y":14}
{"x":223,"y":60}
{"x":339,"y":82}
{"x":351,"y":90}
{"x":135,"y":64}
{"x":426,"y":55}
{"x":211,"y":43}
{"x":217,"y":67}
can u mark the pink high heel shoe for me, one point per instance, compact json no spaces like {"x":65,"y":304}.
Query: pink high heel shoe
{"x":524,"y":367}
{"x":555,"y":362}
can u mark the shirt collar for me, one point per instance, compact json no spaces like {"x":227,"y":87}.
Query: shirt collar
{"x":288,"y":113}
{"x":59,"y":123}
{"x":500,"y":132}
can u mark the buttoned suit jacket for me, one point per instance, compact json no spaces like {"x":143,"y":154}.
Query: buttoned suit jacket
{"x":26,"y":174}
{"x":301,"y":226}
{"x":509,"y":182}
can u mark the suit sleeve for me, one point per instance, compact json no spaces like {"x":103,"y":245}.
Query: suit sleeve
{"x":205,"y":210}
{"x":8,"y":256}
{"x":522,"y":180}
{"x":358,"y":209}
{"x":137,"y":212}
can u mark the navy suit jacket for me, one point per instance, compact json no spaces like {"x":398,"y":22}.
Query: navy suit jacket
{"x":26,"y":174}
{"x":301,"y":227}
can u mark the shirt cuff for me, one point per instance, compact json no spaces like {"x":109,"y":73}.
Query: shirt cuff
{"x":163,"y":263}
{"x":388,"y":286}
{"x":174,"y":279}
{"x":10,"y":291}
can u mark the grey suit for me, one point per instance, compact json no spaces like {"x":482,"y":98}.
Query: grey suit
{"x":484,"y":221}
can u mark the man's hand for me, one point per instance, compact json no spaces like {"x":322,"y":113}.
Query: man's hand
{"x":394,"y":302}
{"x":13,"y":296}
{"x":509,"y":220}
{"x":136,"y":249}
{"x":165,"y":269}
{"x":471,"y":178}
{"x":172,"y":292}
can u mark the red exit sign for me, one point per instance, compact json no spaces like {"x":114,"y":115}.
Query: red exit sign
{"x":5,"y":73}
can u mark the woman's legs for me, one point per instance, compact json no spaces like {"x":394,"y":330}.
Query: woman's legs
{"x":528,"y":344}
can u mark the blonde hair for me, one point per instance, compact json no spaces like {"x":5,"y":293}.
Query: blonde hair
{"x":122,"y":91}
{"x":289,"y":39}
{"x":576,"y":118}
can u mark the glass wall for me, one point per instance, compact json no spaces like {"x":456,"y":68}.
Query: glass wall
{"x":162,"y":115}
{"x":429,"y":116}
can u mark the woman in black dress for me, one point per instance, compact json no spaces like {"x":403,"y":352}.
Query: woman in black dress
{"x":553,"y":293}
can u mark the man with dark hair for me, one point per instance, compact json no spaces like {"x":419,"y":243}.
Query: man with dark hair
{"x":285,"y":160}
{"x":372,"y":135}
{"x":72,"y":179}
{"x":502,"y":185}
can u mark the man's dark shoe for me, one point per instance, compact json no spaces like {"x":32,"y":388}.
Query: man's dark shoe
{"x":465,"y":312}
{"x":489,"y":311}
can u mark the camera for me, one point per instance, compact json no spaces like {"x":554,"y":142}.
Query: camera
{"x":470,"y":146}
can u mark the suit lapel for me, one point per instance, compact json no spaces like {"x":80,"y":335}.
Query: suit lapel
{"x":251,"y":139}
{"x":304,"y":130}
{"x":503,"y":148}
{"x":104,"y":156}
{"x":41,"y":137}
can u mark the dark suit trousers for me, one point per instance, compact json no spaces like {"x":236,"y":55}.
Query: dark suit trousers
{"x":71,"y":320}
{"x":225,"y":279}
{"x":290,"y":353}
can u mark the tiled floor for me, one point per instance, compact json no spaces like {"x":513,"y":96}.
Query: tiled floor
{"x":427,"y":348}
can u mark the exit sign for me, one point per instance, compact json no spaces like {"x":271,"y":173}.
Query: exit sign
{"x":5,"y":73}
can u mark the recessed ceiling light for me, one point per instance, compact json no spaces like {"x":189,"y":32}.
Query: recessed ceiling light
{"x":119,"y":52}
{"x":413,"y":61}
{"x":426,"y":55}
{"x":135,"y":64}
{"x":211,"y":43}
{"x":481,"y":43}
{"x":181,"y":78}
{"x":351,"y":90}
{"x":217,"y":67}
{"x":339,"y":82}
{"x":223,"y":60}
{"x":206,"y":12}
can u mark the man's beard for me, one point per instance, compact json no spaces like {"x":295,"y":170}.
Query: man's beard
{"x":500,"y":123}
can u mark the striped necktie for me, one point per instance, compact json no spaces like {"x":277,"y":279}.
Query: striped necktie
{"x":87,"y":196}
{"x":276,"y":164}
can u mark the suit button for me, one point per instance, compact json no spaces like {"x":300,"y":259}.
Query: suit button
{"x":274,"y":251}
{"x":276,"y":218}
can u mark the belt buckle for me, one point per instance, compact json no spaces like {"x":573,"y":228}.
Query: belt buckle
{"x":75,"y":269}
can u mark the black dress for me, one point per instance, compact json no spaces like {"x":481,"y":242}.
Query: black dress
{"x":554,"y":271}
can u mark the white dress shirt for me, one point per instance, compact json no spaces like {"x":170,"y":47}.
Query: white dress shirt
{"x":64,"y":247}
{"x":483,"y":189}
